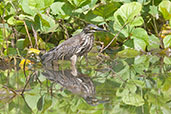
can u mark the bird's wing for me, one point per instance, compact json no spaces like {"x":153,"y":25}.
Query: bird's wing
{"x":65,"y":49}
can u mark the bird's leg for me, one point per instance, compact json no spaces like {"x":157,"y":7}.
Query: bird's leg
{"x":73,"y":63}
{"x":86,"y":58}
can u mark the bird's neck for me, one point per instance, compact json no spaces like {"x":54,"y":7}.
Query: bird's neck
{"x":87,"y":34}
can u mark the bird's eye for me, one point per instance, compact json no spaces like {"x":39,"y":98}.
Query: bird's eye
{"x":91,"y":28}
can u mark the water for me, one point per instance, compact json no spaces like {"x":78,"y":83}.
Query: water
{"x":102,"y":85}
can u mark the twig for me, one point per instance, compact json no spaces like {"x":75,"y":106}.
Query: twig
{"x":35,"y":36}
{"x":28,"y":33}
{"x":4,"y":32}
{"x":114,"y":38}
{"x":29,"y":77}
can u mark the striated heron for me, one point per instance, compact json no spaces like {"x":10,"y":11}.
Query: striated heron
{"x":73,"y":47}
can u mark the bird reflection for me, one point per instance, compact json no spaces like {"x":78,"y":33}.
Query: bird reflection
{"x":79,"y":84}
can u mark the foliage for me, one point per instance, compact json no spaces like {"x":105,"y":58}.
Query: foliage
{"x":133,"y":73}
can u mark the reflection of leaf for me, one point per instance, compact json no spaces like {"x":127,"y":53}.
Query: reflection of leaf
{"x":167,"y":60}
{"x":32,"y":100}
{"x":40,"y":103}
{"x":128,"y":53}
{"x":47,"y":102}
{"x":140,"y":59}
{"x":133,"y":99}
{"x":167,"y":41}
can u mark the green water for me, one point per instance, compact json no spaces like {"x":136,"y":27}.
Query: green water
{"x":103,"y":85}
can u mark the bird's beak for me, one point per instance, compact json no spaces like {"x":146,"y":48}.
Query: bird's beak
{"x":100,"y":29}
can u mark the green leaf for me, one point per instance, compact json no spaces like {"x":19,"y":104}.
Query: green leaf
{"x":32,"y":7}
{"x":61,"y":8}
{"x":128,"y":53}
{"x":128,"y":13}
{"x":154,"y":42}
{"x":133,"y":99}
{"x":20,"y":43}
{"x":26,"y":8}
{"x":140,"y":59}
{"x":47,"y":102}
{"x":139,"y":44}
{"x":140,"y":33}
{"x":47,"y":23}
{"x":165,"y":9}
{"x":154,"y":11}
{"x":12,"y":51}
{"x":32,"y":100}
{"x":129,"y":44}
{"x":78,"y":3}
{"x":40,"y":103}
{"x":141,"y":39}
{"x":167,"y":60}
{"x":167,"y":41}
{"x":106,"y":10}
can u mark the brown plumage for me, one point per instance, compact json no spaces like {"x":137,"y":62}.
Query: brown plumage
{"x":75,"y":46}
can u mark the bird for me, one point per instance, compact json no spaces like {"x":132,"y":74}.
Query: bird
{"x":73,"y":47}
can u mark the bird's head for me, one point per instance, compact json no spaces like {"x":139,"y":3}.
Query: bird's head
{"x":92,"y":29}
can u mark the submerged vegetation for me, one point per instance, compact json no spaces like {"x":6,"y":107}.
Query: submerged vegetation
{"x":128,"y":70}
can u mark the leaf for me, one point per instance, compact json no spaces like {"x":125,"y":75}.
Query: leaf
{"x":78,"y":3}
{"x":154,"y":42}
{"x":140,"y":59}
{"x":20,"y":43}
{"x":40,"y":103}
{"x":154,"y":11}
{"x":47,"y":24}
{"x":167,"y":41}
{"x":133,"y":99}
{"x":139,"y":44}
{"x":26,"y":62}
{"x":47,"y":102}
{"x":32,"y":7}
{"x":32,"y":100}
{"x":97,"y":19}
{"x":128,"y":53}
{"x":140,"y":33}
{"x":32,"y":50}
{"x":26,"y":8}
{"x":106,"y":10}
{"x":165,"y":9}
{"x":128,"y":13}
{"x":105,"y":37}
{"x":61,"y":8}
{"x":167,"y":60}
{"x":12,"y":51}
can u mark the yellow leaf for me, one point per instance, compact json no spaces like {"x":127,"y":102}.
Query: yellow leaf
{"x":32,"y":50}
{"x":27,"y":62}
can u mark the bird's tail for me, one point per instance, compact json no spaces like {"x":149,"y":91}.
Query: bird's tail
{"x":47,"y":57}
